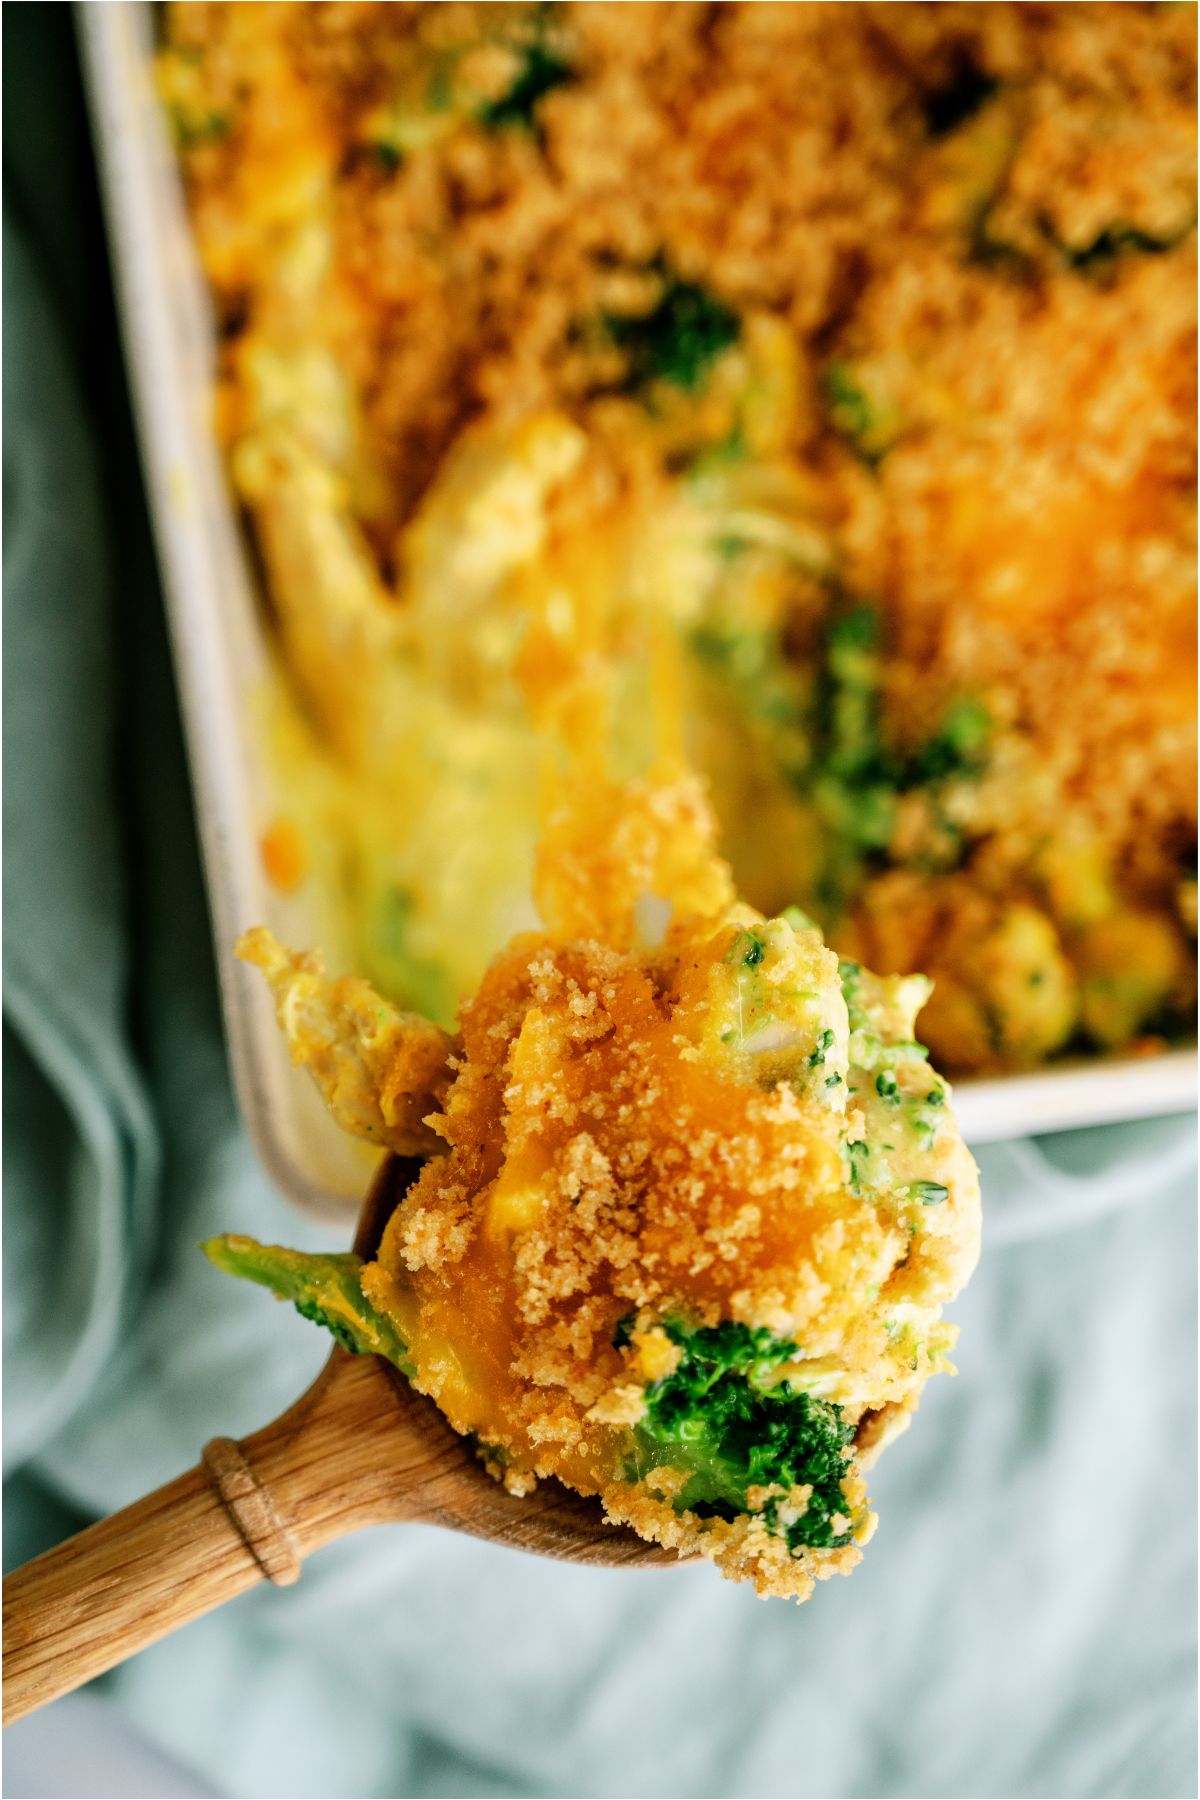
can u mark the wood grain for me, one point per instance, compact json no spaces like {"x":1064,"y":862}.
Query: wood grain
{"x":360,"y":1448}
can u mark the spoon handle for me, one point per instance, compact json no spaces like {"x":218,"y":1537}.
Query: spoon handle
{"x":118,"y":1586}
{"x":248,"y":1512}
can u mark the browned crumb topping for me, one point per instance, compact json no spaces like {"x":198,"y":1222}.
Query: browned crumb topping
{"x":608,"y":1160}
{"x":958,"y":243}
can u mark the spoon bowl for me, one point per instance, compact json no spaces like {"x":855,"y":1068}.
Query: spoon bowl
{"x":360,"y":1448}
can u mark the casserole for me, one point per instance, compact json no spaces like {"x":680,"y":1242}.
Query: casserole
{"x":227,"y":673}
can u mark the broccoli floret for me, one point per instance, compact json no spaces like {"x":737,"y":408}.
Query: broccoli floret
{"x":957,"y":747}
{"x":870,"y":424}
{"x":850,"y":701}
{"x":856,"y":777}
{"x":824,"y":730}
{"x":541,"y":72}
{"x":770,"y":693}
{"x":324,"y":1288}
{"x":678,"y":341}
{"x":732,"y":1423}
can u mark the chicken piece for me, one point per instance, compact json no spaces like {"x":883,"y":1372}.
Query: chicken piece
{"x":381,"y":1072}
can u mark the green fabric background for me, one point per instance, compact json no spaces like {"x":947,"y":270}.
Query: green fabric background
{"x":1024,"y":1622}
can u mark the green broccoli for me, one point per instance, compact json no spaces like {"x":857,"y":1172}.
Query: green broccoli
{"x":858,"y":776}
{"x":516,"y":109}
{"x":748,"y":949}
{"x":855,"y":777}
{"x":770,"y":693}
{"x":727,"y":1418}
{"x":324,"y":1288}
{"x":823,"y":728}
{"x":869,"y":423}
{"x":823,"y":731}
{"x":679,"y":340}
{"x":957,"y":747}
{"x":854,"y":749}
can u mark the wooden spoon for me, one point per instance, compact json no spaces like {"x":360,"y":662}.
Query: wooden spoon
{"x":359,"y":1448}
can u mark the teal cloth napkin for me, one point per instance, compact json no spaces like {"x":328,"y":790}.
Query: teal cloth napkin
{"x":1023,"y":1623}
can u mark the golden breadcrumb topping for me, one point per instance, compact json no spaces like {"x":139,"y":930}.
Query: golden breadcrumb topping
{"x":722,"y":1127}
{"x":852,"y":345}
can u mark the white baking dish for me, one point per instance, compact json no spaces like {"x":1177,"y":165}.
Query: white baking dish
{"x":223,"y":662}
